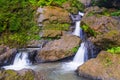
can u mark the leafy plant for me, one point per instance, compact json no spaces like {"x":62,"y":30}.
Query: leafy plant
{"x":75,"y":49}
{"x":116,"y":13}
{"x":87,"y":29}
{"x":114,"y":50}
{"x":17,"y":25}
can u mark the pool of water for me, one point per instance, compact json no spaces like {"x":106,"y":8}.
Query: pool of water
{"x":57,"y":71}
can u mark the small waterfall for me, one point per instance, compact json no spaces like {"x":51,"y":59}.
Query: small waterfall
{"x":81,"y":56}
{"x":77,"y":29}
{"x":21,"y":61}
{"x":82,"y":53}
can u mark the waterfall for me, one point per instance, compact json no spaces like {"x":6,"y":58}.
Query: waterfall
{"x":81,"y":54}
{"x":77,"y":29}
{"x":21,"y":61}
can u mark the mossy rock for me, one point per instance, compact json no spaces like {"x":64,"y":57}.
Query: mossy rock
{"x":13,"y":75}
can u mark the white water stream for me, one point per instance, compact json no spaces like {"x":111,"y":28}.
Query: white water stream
{"x":21,"y":61}
{"x":55,"y":71}
{"x":81,"y":55}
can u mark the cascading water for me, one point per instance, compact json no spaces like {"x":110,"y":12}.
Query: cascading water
{"x":77,"y":29}
{"x":81,"y":55}
{"x":21,"y":61}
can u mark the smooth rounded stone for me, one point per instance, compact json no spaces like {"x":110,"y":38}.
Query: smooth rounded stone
{"x":104,"y":67}
{"x":58,"y":49}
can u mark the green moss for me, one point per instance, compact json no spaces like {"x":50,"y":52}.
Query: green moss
{"x":115,"y":13}
{"x":108,"y":61}
{"x":13,"y":75}
{"x":75,"y":6}
{"x":17,"y":24}
{"x":114,"y":50}
{"x":47,"y":2}
{"x":74,"y":50}
{"x":28,"y":76}
{"x":57,"y":26}
{"x":87,"y":29}
{"x":105,"y":12}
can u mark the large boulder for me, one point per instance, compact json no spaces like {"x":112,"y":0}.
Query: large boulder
{"x":25,"y":74}
{"x":104,"y":67}
{"x":6,"y":55}
{"x":106,"y":29}
{"x":53,"y":20}
{"x":59,"y":49}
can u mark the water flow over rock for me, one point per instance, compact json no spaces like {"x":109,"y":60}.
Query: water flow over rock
{"x":21,"y":61}
{"x":81,"y":55}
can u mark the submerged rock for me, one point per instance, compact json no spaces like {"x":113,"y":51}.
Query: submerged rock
{"x":59,"y":49}
{"x":104,"y":67}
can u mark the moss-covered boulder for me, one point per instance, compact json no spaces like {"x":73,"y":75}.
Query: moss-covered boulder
{"x":24,"y":74}
{"x":52,"y":33}
{"x":104,"y":67}
{"x":104,"y":28}
{"x":59,"y":49}
{"x":13,"y":75}
{"x":53,"y":20}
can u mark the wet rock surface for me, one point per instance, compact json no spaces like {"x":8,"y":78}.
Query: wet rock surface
{"x":105,"y":28}
{"x":104,"y":67}
{"x":58,"y":49}
{"x":24,"y":74}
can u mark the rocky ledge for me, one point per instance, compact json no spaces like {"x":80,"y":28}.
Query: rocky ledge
{"x":59,"y":49}
{"x":104,"y":67}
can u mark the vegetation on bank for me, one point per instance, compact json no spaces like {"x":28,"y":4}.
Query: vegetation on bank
{"x":88,"y":30}
{"x":17,"y":20}
{"x":114,"y":50}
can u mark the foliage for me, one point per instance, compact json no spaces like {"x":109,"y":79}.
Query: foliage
{"x":57,"y":26}
{"x":87,"y":29}
{"x":116,"y":13}
{"x":108,"y":61}
{"x":46,"y":2}
{"x":105,"y":12}
{"x":75,"y":49}
{"x":17,"y":24}
{"x":114,"y":50}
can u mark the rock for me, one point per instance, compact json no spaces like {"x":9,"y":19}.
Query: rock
{"x":24,"y":74}
{"x":104,"y":67}
{"x":51,"y":13}
{"x":53,"y":20}
{"x":87,"y":3}
{"x":52,"y":33}
{"x":17,"y":75}
{"x":58,"y":49}
{"x":6,"y":55}
{"x":106,"y":29}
